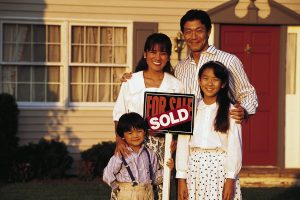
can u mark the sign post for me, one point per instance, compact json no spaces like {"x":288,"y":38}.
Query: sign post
{"x":170,"y":113}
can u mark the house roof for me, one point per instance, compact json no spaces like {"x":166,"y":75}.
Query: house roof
{"x":279,"y":14}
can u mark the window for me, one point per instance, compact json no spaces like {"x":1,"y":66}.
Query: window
{"x":98,"y":56}
{"x":38,"y":59}
{"x":26,"y":48}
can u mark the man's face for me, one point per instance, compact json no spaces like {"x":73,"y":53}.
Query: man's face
{"x":196,"y":35}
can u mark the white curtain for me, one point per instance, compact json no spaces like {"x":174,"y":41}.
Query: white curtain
{"x":18,"y":44}
{"x":97,"y":84}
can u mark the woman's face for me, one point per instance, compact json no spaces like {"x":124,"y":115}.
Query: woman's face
{"x":156,"y":58}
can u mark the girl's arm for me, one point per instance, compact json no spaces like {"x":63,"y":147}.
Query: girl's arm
{"x":233,"y":162}
{"x":182,"y":154}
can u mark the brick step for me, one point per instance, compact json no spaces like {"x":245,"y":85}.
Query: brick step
{"x":269,"y":177}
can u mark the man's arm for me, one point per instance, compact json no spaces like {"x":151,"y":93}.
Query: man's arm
{"x":242,"y":90}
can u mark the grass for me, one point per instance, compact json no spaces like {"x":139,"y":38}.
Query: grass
{"x":95,"y":190}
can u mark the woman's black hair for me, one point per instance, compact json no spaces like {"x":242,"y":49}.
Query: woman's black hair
{"x":129,"y":121}
{"x":165,"y":45}
{"x":195,"y":14}
{"x":224,"y":96}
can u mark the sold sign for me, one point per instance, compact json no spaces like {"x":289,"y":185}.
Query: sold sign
{"x":169,"y":112}
{"x":169,"y":119}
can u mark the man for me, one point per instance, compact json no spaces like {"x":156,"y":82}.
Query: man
{"x":196,"y":27}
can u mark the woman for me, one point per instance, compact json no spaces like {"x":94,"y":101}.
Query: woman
{"x":154,"y":74}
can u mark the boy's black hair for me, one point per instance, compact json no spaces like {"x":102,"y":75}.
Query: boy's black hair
{"x":129,"y":121}
{"x":224,"y":96}
{"x":164,"y":43}
{"x":195,"y":14}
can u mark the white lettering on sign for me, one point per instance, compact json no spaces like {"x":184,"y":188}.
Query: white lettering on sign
{"x":170,"y":118}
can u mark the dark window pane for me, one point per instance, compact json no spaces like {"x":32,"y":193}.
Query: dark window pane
{"x":23,"y":74}
{"x":23,"y":92}
{"x":39,"y":34}
{"x":38,"y":74}
{"x":39,"y":53}
{"x":38,"y":92}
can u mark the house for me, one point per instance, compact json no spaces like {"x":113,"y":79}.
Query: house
{"x":62,"y":60}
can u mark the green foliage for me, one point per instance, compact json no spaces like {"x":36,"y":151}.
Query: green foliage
{"x":8,"y":132}
{"x":47,"y":159}
{"x":96,"y":158}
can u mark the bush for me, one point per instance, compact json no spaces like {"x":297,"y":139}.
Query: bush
{"x":96,"y":158}
{"x":9,"y":113}
{"x":47,"y":159}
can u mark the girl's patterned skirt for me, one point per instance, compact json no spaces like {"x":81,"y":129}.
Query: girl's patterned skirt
{"x":206,"y":175}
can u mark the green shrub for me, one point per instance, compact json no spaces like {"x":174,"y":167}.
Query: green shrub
{"x":47,"y":159}
{"x":96,"y":158}
{"x":9,"y":113}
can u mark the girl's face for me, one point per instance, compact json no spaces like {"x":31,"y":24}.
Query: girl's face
{"x":134,"y":138}
{"x":156,"y":59}
{"x":210,"y":85}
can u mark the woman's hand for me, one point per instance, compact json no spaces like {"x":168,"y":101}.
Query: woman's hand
{"x":170,"y":164}
{"x":126,"y":75}
{"x":228,"y":189}
{"x":182,"y":189}
{"x":121,"y":147}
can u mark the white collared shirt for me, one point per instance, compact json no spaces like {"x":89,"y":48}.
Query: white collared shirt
{"x":131,"y":96}
{"x":204,"y":136}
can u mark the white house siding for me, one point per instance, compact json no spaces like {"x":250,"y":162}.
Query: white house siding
{"x":82,"y":127}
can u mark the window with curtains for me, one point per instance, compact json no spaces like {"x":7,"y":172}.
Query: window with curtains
{"x":98,"y":57}
{"x":29,"y":65}
{"x":37,"y":59}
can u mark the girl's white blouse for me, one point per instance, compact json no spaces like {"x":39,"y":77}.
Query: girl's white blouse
{"x":131,"y":96}
{"x":205,"y":137}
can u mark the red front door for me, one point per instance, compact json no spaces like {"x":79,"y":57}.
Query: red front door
{"x":258,"y":49}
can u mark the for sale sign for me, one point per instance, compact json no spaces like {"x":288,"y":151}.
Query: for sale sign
{"x":169,"y":112}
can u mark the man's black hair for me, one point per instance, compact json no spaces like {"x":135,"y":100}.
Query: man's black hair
{"x":195,"y":14}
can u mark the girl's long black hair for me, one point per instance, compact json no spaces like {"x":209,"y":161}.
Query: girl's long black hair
{"x":224,"y":96}
{"x":164,"y":43}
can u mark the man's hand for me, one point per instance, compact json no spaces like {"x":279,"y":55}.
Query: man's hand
{"x":126,"y":75}
{"x":228,"y":189}
{"x":182,"y":189}
{"x":237,"y":113}
{"x":121,"y":147}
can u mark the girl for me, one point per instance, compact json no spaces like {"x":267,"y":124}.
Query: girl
{"x":153,"y":73}
{"x":215,"y":148}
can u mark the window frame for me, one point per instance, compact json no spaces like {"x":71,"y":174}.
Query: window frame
{"x":127,"y":66}
{"x":65,"y":61}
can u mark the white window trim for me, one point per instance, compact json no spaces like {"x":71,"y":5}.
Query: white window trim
{"x":129,"y":26}
{"x":66,"y":24}
{"x":38,"y":22}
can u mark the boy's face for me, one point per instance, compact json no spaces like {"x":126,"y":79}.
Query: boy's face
{"x":134,"y":138}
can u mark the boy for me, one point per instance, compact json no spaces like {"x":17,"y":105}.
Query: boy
{"x":132,"y":177}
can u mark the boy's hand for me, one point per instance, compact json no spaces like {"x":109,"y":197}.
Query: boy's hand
{"x":171,"y":164}
{"x":121,"y":147}
{"x":126,"y":76}
{"x":228,"y":189}
{"x":237,"y":113}
{"x":182,"y":189}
